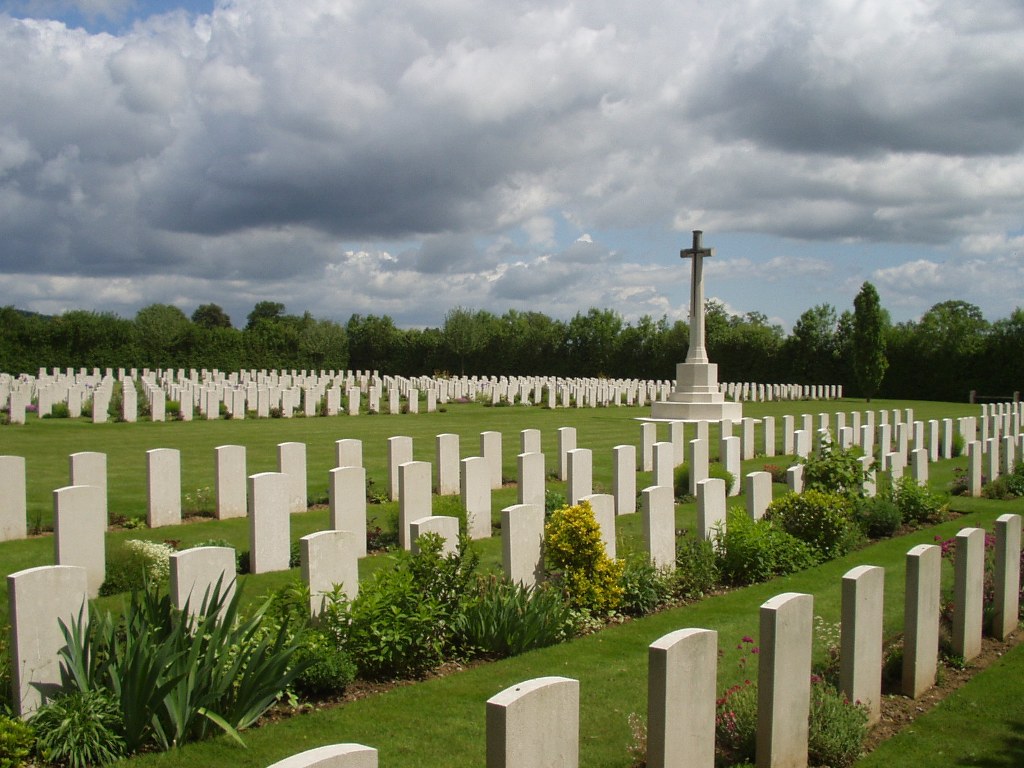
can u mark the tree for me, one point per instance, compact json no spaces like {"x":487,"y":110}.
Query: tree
{"x":591,"y":341}
{"x":323,"y":344}
{"x":161,"y":330}
{"x":264,"y":310}
{"x":211,"y":316}
{"x":811,"y":347}
{"x":869,"y":333}
{"x":464,"y":333}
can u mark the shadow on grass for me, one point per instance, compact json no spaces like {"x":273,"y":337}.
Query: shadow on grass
{"x":1009,"y":755}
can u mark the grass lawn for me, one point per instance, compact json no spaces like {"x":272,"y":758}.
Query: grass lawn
{"x":981,"y":724}
{"x":441,"y":721}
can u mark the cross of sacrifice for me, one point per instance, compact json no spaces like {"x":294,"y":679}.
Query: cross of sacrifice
{"x":697,"y":353}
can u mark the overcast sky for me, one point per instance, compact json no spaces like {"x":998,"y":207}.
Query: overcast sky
{"x":408,"y":156}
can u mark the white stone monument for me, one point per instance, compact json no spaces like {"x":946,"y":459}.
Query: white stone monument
{"x":696,"y":396}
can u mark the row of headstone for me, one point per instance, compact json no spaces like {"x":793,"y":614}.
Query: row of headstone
{"x":753,"y":392}
{"x":536,"y":722}
{"x":261,"y":393}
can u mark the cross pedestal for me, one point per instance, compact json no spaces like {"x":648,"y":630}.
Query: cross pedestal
{"x":696,"y":396}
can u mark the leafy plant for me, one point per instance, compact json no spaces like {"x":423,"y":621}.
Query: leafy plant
{"x":199,"y":503}
{"x":696,"y":571}
{"x":917,"y":504}
{"x":403,"y":621}
{"x":16,"y":741}
{"x":134,"y":562}
{"x":837,"y":728}
{"x":553,"y":500}
{"x":749,"y":552}
{"x":329,"y":670}
{"x":736,"y":724}
{"x":174,"y":677}
{"x":823,"y":520}
{"x":878,"y":516}
{"x":681,"y":478}
{"x":835,"y":470}
{"x":505,"y":619}
{"x":574,"y":549}
{"x":644,"y":587}
{"x":79,"y":730}
{"x":1008,"y":486}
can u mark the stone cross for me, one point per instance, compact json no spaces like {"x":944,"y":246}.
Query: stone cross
{"x":696,"y":352}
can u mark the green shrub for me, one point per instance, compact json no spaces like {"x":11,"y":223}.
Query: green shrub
{"x":835,"y":470}
{"x":574,"y":549}
{"x":553,"y":500}
{"x":878,"y":517}
{"x":917,"y":504}
{"x":823,"y":520}
{"x":328,"y":669}
{"x":79,"y":730}
{"x":58,"y":411}
{"x":451,"y":506}
{"x":16,"y":741}
{"x":696,"y":571}
{"x":1007,"y":486}
{"x":403,"y":621}
{"x":199,"y":503}
{"x":133,"y":563}
{"x":505,"y":619}
{"x":959,"y":443}
{"x":681,"y":478}
{"x":177,"y":678}
{"x":837,"y":728}
{"x":645,"y":588}
{"x":736,"y":725}
{"x":751,"y":551}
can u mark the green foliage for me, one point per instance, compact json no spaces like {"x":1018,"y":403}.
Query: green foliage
{"x":573,"y":547}
{"x":750,"y":552}
{"x":552,"y":501}
{"x":645,"y":588}
{"x":917,"y":504}
{"x":869,"y":335}
{"x":328,"y":669}
{"x":79,"y":730}
{"x":681,"y":478}
{"x":834,"y":470}
{"x":177,"y":679}
{"x":133,"y":563}
{"x":823,"y":520}
{"x":16,"y":741}
{"x":878,"y":516}
{"x":1009,"y":486}
{"x":403,"y":621}
{"x":736,"y":725}
{"x":59,"y":411}
{"x":504,"y":619}
{"x":837,"y":728}
{"x":696,"y":571}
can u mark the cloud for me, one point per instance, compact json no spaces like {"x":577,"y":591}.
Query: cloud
{"x":244,"y":152}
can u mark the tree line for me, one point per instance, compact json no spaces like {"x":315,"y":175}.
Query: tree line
{"x":951,"y":350}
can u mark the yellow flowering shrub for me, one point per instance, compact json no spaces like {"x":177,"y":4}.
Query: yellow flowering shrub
{"x":573,"y":546}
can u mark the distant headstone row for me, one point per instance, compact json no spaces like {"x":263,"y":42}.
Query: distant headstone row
{"x":262,"y":394}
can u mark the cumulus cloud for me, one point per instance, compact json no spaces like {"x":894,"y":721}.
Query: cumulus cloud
{"x":464,"y":148}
